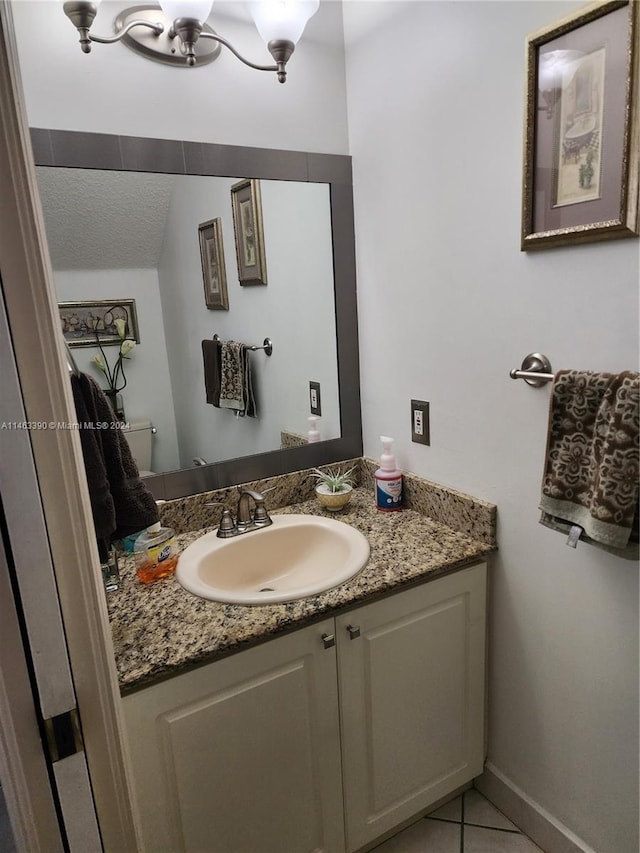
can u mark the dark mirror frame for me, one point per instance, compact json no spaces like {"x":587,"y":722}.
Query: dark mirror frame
{"x":79,"y":150}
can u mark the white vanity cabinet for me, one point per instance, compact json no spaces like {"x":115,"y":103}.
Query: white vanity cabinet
{"x":319,"y":740}
{"x":242,"y":755}
{"x":411,"y":682}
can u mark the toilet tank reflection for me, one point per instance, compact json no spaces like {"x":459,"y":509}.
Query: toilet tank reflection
{"x":139,"y":435}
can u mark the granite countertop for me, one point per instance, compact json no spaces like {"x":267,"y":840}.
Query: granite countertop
{"x":161,"y":629}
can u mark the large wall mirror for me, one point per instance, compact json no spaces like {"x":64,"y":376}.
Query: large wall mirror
{"x":122,"y":217}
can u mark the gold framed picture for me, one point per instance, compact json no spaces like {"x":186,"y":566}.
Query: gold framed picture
{"x":246,"y":203}
{"x":580,"y":176}
{"x":84,"y":324}
{"x":213,"y":268}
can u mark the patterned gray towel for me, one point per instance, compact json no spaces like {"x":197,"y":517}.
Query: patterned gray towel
{"x":591,"y":470}
{"x":236,"y":386}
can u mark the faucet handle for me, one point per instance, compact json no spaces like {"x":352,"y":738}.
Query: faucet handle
{"x":227,"y":527}
{"x":261,"y":517}
{"x":214,"y":503}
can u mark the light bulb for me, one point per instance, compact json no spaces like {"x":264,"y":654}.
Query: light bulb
{"x":198,"y":9}
{"x":282,"y":19}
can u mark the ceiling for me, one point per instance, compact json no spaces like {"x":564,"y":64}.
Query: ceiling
{"x":104,"y":220}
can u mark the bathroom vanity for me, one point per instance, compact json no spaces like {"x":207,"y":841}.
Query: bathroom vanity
{"x":347,"y":727}
{"x":320,"y":724}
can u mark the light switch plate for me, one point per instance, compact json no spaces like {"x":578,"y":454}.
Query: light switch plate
{"x":420,"y":422}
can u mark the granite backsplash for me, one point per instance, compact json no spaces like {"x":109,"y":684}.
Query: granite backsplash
{"x":459,"y":511}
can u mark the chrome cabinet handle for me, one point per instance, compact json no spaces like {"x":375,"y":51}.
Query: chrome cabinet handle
{"x":328,"y":640}
{"x":354,"y":631}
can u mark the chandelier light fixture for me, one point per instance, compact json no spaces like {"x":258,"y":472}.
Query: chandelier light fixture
{"x":176,"y":33}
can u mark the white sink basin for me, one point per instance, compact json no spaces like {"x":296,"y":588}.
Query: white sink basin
{"x":297,"y":556}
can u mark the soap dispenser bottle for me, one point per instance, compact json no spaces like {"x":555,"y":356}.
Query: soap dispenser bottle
{"x":314,"y":433}
{"x":155,"y":553}
{"x":388,"y":479}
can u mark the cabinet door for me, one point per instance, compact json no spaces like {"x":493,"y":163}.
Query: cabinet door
{"x":412,"y":700}
{"x":242,"y":755}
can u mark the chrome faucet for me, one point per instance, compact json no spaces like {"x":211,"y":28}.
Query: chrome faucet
{"x":245,"y":519}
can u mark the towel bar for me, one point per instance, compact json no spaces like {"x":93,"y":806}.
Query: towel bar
{"x":267,"y":345}
{"x":535,"y":370}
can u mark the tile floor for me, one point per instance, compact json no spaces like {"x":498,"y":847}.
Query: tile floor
{"x":468,"y":824}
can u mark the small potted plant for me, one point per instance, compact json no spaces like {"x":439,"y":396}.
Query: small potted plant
{"x":334,"y":487}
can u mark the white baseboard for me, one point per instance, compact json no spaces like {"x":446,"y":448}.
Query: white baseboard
{"x":534,"y":820}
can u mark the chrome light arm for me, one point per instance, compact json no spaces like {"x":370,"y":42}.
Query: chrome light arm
{"x":156,"y":27}
{"x":81,"y":14}
{"x":280,"y":49}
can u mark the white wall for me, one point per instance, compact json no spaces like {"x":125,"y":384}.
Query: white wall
{"x":143,"y":398}
{"x":448,"y":305}
{"x":295,"y":309}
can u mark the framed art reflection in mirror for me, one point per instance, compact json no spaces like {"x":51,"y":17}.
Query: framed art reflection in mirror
{"x":247,"y":224}
{"x":213,"y":269}
{"x":84,"y":324}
